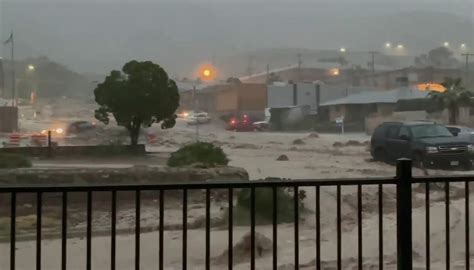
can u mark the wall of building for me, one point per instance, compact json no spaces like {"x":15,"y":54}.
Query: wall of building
{"x":226,"y":100}
{"x":385,"y":109}
{"x":336,"y":112}
{"x":354,"y":112}
{"x":252,"y":97}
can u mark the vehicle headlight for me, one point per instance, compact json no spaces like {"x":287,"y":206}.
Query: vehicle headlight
{"x":431,"y":149}
{"x":470,"y":148}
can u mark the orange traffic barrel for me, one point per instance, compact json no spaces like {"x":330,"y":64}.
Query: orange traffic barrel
{"x":14,"y":140}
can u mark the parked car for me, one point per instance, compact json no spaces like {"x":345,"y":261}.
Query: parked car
{"x":460,"y":130}
{"x":265,"y":124}
{"x":198,"y":118}
{"x":80,"y":126}
{"x":242,"y":123}
{"x":427,"y":144}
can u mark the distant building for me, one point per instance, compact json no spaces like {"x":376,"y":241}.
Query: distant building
{"x":308,"y":72}
{"x":398,"y":78}
{"x":228,"y":98}
{"x":357,"y":107}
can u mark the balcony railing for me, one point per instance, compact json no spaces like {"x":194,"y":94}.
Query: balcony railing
{"x":403,"y":182}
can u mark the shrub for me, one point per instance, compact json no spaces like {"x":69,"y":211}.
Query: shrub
{"x":264,"y":204}
{"x":10,"y":161}
{"x":205,"y":154}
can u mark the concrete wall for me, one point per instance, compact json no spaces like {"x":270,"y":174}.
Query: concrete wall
{"x":89,"y":150}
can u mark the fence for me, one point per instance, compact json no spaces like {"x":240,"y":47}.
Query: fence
{"x":403,"y":183}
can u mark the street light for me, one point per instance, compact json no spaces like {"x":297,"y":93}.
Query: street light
{"x":31,"y":67}
{"x":343,"y":50}
{"x":400,"y":46}
{"x":446,"y":44}
{"x":463,"y":46}
{"x":206,"y":73}
{"x":388,"y":45}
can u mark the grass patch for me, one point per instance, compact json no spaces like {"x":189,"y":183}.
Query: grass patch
{"x":11,"y":161}
{"x":27,"y":224}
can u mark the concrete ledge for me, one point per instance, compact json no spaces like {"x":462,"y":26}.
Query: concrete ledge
{"x":86,"y":150}
{"x":134,"y":175}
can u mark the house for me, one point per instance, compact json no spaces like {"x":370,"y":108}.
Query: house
{"x":229,"y":98}
{"x":356,"y":107}
{"x":397,"y":78}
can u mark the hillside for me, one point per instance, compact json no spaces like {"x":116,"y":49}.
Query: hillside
{"x":97,"y":37}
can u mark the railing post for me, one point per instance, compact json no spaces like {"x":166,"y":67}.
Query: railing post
{"x":404,"y":218}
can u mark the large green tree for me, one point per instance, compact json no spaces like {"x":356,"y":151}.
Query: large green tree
{"x":454,"y":97}
{"x":138,"y":96}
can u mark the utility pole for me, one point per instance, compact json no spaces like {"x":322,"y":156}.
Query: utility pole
{"x":300,"y":62}
{"x":372,"y":63}
{"x":195,"y":109}
{"x":467,"y":66}
{"x":267,"y":70}
{"x":249,"y":65}
{"x":10,"y":40}
{"x":2,"y":79}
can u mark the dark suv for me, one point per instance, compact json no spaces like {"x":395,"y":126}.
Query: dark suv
{"x":427,"y":144}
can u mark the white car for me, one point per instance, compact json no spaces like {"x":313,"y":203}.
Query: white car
{"x":198,"y":119}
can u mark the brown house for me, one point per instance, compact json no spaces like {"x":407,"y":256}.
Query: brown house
{"x":229,"y":98}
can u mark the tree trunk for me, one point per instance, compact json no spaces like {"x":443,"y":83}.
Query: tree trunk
{"x":453,"y":115}
{"x":134,"y":134}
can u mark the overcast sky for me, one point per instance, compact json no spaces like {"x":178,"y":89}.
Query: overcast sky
{"x":95,"y":36}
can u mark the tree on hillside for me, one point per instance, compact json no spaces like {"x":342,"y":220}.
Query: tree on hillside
{"x":272,"y":77}
{"x":451,"y":99}
{"x":438,"y":57}
{"x":233,"y":80}
{"x":138,"y":96}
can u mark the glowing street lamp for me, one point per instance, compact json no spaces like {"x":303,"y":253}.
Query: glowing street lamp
{"x":463,"y":46}
{"x":446,"y":44}
{"x":400,"y":46}
{"x":388,"y":45}
{"x":205,"y":73}
{"x":31,"y":67}
{"x":343,"y":50}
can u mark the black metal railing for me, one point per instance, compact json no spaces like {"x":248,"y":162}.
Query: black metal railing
{"x":403,"y":182}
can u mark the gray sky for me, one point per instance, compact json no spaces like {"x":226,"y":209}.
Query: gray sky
{"x":97,"y":36}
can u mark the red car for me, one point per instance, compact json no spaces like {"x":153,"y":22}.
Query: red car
{"x":240,"y":124}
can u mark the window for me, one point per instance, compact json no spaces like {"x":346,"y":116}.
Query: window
{"x":404,"y":131}
{"x":430,"y":131}
{"x":392,"y":132}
